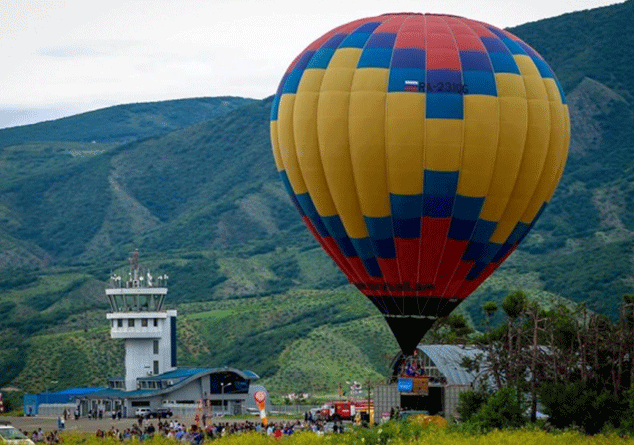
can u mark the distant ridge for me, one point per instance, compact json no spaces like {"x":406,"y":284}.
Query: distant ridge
{"x":122,"y":123}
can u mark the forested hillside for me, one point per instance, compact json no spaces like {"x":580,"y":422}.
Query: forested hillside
{"x":582,"y":246}
{"x":192,"y":184}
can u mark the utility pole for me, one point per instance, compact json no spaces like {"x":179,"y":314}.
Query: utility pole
{"x":370,"y":411}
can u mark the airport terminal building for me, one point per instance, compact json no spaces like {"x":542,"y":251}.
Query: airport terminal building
{"x":184,"y":391}
{"x":152,"y":379}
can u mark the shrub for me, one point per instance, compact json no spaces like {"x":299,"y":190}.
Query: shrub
{"x":470,"y":402}
{"x":504,"y":409}
{"x":583,"y":405}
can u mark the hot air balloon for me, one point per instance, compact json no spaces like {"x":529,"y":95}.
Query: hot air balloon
{"x":419,"y":149}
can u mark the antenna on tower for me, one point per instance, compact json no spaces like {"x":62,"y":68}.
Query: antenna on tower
{"x":134,"y":261}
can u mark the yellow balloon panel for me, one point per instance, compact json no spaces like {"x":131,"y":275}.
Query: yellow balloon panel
{"x":443,"y":144}
{"x":334,"y":144}
{"x":510,"y":148}
{"x":533,"y":158}
{"x":404,"y":142}
{"x":276,"y":147}
{"x":481,"y":133}
{"x":287,"y":144}
{"x":367,"y":140}
{"x":554,"y":158}
{"x":307,"y":141}
{"x":308,"y":155}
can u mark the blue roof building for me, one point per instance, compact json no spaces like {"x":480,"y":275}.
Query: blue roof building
{"x":152,"y":379}
{"x":185,"y":391}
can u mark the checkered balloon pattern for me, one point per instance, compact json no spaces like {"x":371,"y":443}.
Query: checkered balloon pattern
{"x":419,"y":149}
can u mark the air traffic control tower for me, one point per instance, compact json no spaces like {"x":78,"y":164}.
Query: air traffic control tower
{"x":138,"y":317}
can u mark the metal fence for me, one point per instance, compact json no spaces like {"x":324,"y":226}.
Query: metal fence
{"x":291,"y":409}
{"x":56,"y":409}
{"x":179,"y":411}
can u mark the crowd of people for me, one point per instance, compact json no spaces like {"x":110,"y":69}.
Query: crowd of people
{"x":51,"y":437}
{"x":194,"y":434}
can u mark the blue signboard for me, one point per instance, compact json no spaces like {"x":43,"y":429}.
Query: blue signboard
{"x":405,"y":385}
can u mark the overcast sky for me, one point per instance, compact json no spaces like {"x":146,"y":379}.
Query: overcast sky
{"x":63,"y":57}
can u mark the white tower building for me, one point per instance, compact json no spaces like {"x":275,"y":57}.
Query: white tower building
{"x":138,"y":317}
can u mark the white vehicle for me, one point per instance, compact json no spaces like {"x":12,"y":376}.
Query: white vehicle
{"x":142,"y":412}
{"x":11,"y":435}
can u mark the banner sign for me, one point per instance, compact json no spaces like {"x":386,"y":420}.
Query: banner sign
{"x":421,"y":386}
{"x":405,"y":385}
{"x":414,"y":385}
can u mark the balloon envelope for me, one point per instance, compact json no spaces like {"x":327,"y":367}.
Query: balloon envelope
{"x":419,"y":149}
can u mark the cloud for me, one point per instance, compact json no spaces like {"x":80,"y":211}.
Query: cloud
{"x":99,"y":48}
{"x":13,"y":117}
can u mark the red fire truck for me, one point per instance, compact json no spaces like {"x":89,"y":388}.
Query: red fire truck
{"x":345,"y":409}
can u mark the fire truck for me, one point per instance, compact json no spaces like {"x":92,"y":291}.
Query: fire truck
{"x":347,"y":410}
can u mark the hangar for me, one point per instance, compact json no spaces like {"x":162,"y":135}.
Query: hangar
{"x":432,"y":384}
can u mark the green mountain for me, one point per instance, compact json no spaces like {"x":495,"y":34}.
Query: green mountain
{"x":192,"y":184}
{"x":123,"y":122}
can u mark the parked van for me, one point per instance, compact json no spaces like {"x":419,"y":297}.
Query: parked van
{"x":11,"y":435}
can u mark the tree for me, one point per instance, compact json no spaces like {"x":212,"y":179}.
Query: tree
{"x":486,"y":342}
{"x":514,"y":369}
{"x":536,"y":325}
{"x":578,"y":363}
{"x":588,"y":406}
{"x":452,"y":329}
